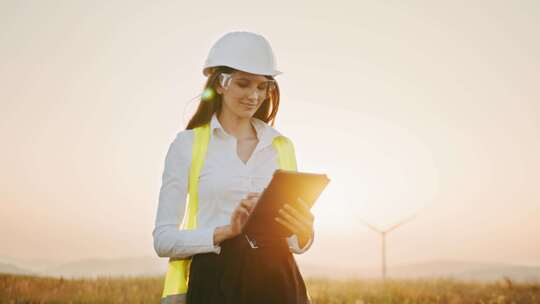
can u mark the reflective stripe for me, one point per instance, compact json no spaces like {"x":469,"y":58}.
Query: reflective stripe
{"x":174,"y":299}
{"x":287,"y":161}
{"x":176,"y":279}
{"x":286,"y":155}
{"x":198,"y":154}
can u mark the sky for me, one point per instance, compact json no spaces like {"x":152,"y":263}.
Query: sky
{"x":425,"y":108}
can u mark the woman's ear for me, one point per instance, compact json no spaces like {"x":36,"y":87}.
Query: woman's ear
{"x":218,"y":88}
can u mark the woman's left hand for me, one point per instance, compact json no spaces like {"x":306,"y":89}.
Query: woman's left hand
{"x":298,"y":220}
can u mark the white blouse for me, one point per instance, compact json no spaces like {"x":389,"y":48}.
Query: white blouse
{"x":224,"y":180}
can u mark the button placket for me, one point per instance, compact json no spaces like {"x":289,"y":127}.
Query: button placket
{"x":252,"y":182}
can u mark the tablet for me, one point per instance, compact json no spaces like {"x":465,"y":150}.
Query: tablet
{"x":285,"y":187}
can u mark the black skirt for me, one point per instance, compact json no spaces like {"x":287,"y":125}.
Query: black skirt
{"x":243,"y":274}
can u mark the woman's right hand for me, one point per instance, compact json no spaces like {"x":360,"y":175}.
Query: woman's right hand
{"x":241,"y":213}
{"x":238,"y":219}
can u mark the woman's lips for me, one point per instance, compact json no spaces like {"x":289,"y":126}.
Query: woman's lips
{"x":251,"y":106}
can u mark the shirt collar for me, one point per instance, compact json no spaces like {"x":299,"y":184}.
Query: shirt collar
{"x":265,"y":132}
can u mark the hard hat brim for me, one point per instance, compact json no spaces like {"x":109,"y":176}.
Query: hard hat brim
{"x":208,"y":70}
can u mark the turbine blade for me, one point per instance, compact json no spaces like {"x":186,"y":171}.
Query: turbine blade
{"x":370,"y":226}
{"x":401,"y":223}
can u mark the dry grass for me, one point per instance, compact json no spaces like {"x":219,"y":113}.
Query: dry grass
{"x":421,"y":291}
{"x":27,"y":289}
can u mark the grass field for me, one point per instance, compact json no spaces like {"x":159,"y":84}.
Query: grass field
{"x":26,"y":289}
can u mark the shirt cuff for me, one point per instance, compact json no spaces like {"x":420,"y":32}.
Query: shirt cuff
{"x":208,"y":236}
{"x":295,"y":247}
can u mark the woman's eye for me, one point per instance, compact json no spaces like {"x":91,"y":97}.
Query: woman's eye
{"x":263,"y":87}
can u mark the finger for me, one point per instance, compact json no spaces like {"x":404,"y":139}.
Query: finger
{"x":292,"y":227}
{"x":304,"y":216}
{"x":286,"y":224}
{"x":239,"y":218}
{"x":241,"y":210}
{"x":298,"y":223}
{"x":306,"y":207}
{"x":303,"y":205}
{"x":301,"y":215}
{"x":253,"y":200}
{"x":252,"y":195}
{"x":248,"y":204}
{"x":244,"y":210}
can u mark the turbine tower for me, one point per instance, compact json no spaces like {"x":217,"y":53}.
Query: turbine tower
{"x":383,"y":238}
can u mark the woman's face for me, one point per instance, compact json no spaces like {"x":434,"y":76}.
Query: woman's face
{"x":244,"y":94}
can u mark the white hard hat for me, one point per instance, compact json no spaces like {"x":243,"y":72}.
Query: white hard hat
{"x":244,"y":51}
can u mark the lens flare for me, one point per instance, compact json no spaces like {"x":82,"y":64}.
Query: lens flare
{"x":208,"y":94}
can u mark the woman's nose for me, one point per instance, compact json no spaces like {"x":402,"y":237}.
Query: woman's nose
{"x":254,"y":96}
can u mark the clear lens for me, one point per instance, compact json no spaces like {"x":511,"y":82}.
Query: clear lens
{"x":263,"y":89}
{"x":225,"y":80}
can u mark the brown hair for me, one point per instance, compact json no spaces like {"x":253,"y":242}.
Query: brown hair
{"x":211,"y":101}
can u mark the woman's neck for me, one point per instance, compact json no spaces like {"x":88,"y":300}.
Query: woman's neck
{"x":236,"y":126}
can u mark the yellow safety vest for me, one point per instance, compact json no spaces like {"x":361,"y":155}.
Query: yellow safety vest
{"x":176,"y":279}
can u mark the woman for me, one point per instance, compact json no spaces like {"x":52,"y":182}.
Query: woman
{"x":240,"y":99}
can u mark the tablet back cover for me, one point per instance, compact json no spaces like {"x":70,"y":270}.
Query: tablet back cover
{"x":285,"y":187}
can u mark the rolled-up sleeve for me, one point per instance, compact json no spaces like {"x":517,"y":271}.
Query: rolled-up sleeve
{"x":169,"y":241}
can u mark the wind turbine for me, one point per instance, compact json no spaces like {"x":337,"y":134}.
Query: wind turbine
{"x":383,"y":237}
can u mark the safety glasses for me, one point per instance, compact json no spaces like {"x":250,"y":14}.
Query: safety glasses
{"x":244,"y":84}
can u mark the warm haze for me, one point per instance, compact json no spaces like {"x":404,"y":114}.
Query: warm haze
{"x":410,"y":106}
